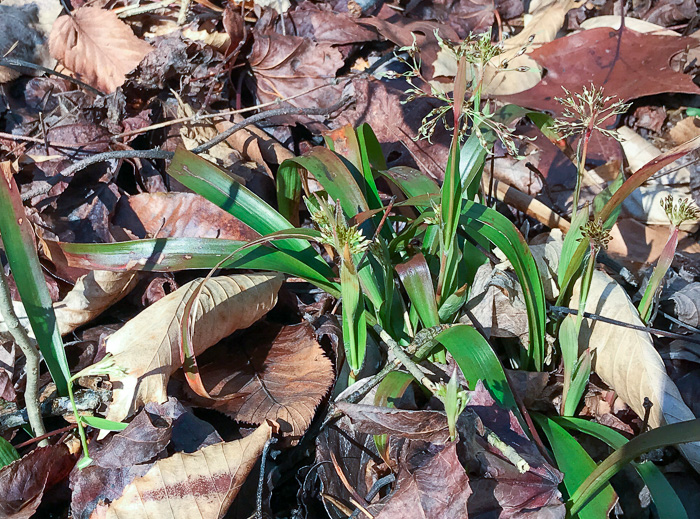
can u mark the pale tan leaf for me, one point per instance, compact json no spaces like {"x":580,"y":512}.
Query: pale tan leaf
{"x":92,"y":295}
{"x":201,"y":485}
{"x":147,"y":346}
{"x":97,"y":46}
{"x":627,"y":361}
{"x":275,"y":373}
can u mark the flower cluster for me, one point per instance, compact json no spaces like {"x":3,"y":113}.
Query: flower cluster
{"x":680,"y":211}
{"x":598,"y":235}
{"x":335,"y":230}
{"x":587,"y":111}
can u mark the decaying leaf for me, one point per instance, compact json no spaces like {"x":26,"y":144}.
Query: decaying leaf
{"x":274,"y":373}
{"x":92,"y":295}
{"x":610,"y":58}
{"x":200,"y":485}
{"x":687,"y":302}
{"x":431,"y":483}
{"x":98,"y":46}
{"x":627,"y":361}
{"x":175,"y":215}
{"x":147,"y":346}
{"x":23,"y":482}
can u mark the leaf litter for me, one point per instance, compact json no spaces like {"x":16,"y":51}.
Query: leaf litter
{"x":273,"y":377}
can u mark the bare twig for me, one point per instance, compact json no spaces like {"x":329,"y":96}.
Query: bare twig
{"x":85,"y":400}
{"x":19,"y":334}
{"x":162,"y":154}
{"x":18,"y":64}
{"x":608,"y":320}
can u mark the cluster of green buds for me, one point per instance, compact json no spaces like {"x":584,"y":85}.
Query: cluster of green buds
{"x":597,"y":234}
{"x":334,"y":229}
{"x":678,"y":213}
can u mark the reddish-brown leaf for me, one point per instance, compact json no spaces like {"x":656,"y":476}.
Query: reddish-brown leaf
{"x":22,"y":483}
{"x":593,"y":56}
{"x":431,"y":484}
{"x":175,"y":215}
{"x":279,"y":374}
{"x":97,"y":46}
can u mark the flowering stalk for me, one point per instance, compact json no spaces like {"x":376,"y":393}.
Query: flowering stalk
{"x":677,"y":213}
{"x":583,"y":113}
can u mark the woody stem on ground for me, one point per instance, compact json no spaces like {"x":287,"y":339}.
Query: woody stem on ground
{"x":31,"y":354}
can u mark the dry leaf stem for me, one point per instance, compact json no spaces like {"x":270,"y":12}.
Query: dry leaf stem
{"x":31,"y":354}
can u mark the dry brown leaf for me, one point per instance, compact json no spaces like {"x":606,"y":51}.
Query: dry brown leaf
{"x":627,"y":361}
{"x":201,"y":485}
{"x":147,"y":346}
{"x":278,"y":374}
{"x":91,"y":296}
{"x":97,"y":46}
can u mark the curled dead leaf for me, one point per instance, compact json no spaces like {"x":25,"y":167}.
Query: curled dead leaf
{"x":97,"y":46}
{"x":626,"y":360}
{"x":147,"y":346}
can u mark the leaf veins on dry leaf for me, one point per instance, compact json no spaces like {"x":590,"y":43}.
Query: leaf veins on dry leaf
{"x":97,"y":46}
{"x":278,"y":373}
{"x":148,"y":348}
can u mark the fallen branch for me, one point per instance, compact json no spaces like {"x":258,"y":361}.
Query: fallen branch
{"x":85,"y":400}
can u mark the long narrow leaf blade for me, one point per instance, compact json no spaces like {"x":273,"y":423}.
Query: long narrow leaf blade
{"x":576,"y":465}
{"x":417,"y":280}
{"x":668,"y":504}
{"x":18,"y":239}
{"x":672,"y":434}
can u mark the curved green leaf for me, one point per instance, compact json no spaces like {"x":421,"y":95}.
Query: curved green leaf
{"x":668,"y":504}
{"x":576,"y":465}
{"x":18,"y":239}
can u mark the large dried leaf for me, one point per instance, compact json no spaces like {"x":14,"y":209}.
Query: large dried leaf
{"x":189,"y":486}
{"x":274,"y":373}
{"x":130,"y":454}
{"x":91,"y":296}
{"x":605,"y":57}
{"x":286,"y":66}
{"x":23,"y":482}
{"x":175,"y":215}
{"x":627,"y":361}
{"x":431,"y":483}
{"x":147,"y":346}
{"x":97,"y":46}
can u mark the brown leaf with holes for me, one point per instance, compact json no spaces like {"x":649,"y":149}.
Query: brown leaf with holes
{"x":97,"y":46}
{"x":277,"y":373}
{"x":201,"y":485}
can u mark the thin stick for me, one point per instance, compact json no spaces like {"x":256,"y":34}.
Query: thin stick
{"x":31,"y":354}
{"x":607,"y":320}
{"x":18,"y":64}
{"x":167,"y":155}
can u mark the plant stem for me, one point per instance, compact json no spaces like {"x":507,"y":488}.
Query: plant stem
{"x":31,"y":354}
{"x":662,"y":266}
{"x":583,"y":152}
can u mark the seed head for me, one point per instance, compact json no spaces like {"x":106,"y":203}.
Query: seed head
{"x":679,"y":211}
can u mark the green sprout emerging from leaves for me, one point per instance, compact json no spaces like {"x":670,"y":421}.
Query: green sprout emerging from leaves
{"x":455,"y":399}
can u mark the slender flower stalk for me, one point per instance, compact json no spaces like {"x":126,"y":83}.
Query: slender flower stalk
{"x":678,"y":213}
